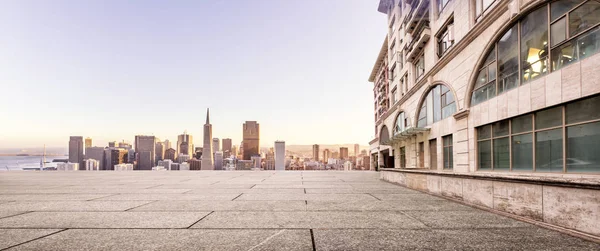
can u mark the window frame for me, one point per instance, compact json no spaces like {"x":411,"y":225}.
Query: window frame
{"x":442,"y":33}
{"x":420,"y":58}
{"x":450,"y":156}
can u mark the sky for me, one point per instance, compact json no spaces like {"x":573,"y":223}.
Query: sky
{"x":114,"y":69}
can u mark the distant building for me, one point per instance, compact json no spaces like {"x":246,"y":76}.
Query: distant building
{"x":130,"y":155}
{"x":234,"y":151}
{"x":256,"y":161}
{"x":270,"y":160}
{"x":123,"y":167}
{"x":88,"y":142}
{"x":348,"y":166}
{"x":326,"y":155}
{"x":195,"y":164}
{"x":175,"y":166}
{"x":251,"y":134}
{"x":76,"y":149}
{"x":145,"y":149}
{"x":198,"y":152}
{"x":226,"y":147}
{"x":160,"y":151}
{"x":219,"y":160}
{"x":181,"y":158}
{"x":335,"y":155}
{"x":366,"y":162}
{"x":216,"y":145}
{"x":363,"y":152}
{"x":165,"y":163}
{"x":112,"y":144}
{"x":207,"y":152}
{"x":343,"y":152}
{"x":96,"y":153}
{"x":184,"y":143}
{"x":159,"y":168}
{"x":280,"y":155}
{"x":92,"y":165}
{"x":114,"y":156}
{"x":167,"y":144}
{"x":67,"y":166}
{"x":356,"y":150}
{"x":170,"y":154}
{"x":315,"y":150}
{"x":124,"y":145}
{"x":184,"y":167}
{"x":244,"y":165}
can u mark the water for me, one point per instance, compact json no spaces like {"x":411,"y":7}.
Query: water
{"x":20,"y":162}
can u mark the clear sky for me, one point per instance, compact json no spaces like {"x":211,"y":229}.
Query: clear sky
{"x":112,"y":69}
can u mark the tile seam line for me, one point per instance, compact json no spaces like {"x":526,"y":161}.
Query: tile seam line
{"x":199,"y":220}
{"x":22,"y":213}
{"x":289,"y":228}
{"x":127,"y":210}
{"x":35,"y":239}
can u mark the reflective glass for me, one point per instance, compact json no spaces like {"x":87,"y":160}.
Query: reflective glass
{"x":589,"y":43}
{"x":437,"y":113}
{"x":559,"y":8}
{"x":484,"y":153}
{"x":583,"y":110}
{"x":521,"y":124}
{"x":484,"y":132}
{"x":534,"y":44}
{"x":501,"y":128}
{"x":584,"y":17}
{"x":508,"y":59}
{"x":549,"y":151}
{"x":522,"y":152}
{"x":548,"y":118}
{"x":564,"y":55}
{"x":492,"y":71}
{"x":558,"y":31}
{"x":501,"y":154}
{"x":583,"y":148}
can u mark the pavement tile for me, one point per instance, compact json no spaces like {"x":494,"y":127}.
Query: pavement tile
{"x":319,"y":185}
{"x":424,"y":205}
{"x":93,"y":191}
{"x":102,"y":220}
{"x":412,"y":197}
{"x":235,"y":219}
{"x":465,"y":219}
{"x":19,"y":197}
{"x":187,"y":196}
{"x":173,"y":239}
{"x":11,"y":237}
{"x":70,"y":206}
{"x":189,"y":206}
{"x":4,"y":214}
{"x":344,"y":197}
{"x":432,"y":239}
{"x":360,"y":190}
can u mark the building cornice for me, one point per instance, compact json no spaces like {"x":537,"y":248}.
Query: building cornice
{"x":380,"y":58}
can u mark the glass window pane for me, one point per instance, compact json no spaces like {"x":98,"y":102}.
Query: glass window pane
{"x":559,"y":8}
{"x":501,"y":154}
{"x":484,"y":153}
{"x":481,"y":79}
{"x":522,"y":124}
{"x":534,"y":44}
{"x":522,"y":152}
{"x":583,"y":148}
{"x":492,"y":71}
{"x":448,"y":110}
{"x":501,"y":128}
{"x":549,"y":151}
{"x":437,"y":113}
{"x":589,"y":43}
{"x":490,"y":57}
{"x":548,"y":118}
{"x":583,"y":110}
{"x":508,"y":59}
{"x":479,"y":96}
{"x":491,"y":90}
{"x":558,"y":31}
{"x":564,"y":55}
{"x":584,"y":17}
{"x":484,"y":132}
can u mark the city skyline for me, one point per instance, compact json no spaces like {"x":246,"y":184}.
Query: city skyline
{"x":104,"y":65}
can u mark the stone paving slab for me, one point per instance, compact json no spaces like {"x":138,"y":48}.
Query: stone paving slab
{"x":531,"y":238}
{"x":173,"y":239}
{"x":325,"y":185}
{"x":92,"y":191}
{"x":252,"y":190}
{"x":42,"y":197}
{"x":308,"y":220}
{"x":11,"y":237}
{"x":343,"y":197}
{"x":188,"y":206}
{"x":359,"y":190}
{"x":465,"y":219}
{"x":186,"y":196}
{"x":71,"y":206}
{"x":407,"y":197}
{"x":423,"y":205}
{"x":5,"y":214}
{"x":102,"y":220}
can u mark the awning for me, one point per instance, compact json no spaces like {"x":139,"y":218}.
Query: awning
{"x":406,"y":134}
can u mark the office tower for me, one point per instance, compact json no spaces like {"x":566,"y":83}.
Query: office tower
{"x":198,"y":153}
{"x":165,"y":163}
{"x":124,"y":145}
{"x":145,"y":149}
{"x":92,"y":165}
{"x":343,"y":152}
{"x":335,"y":155}
{"x":170,"y":154}
{"x":270,"y":160}
{"x":234,"y":151}
{"x":167,"y":144}
{"x":185,"y":143}
{"x":76,"y":150}
{"x":130,"y":155}
{"x":218,"y":160}
{"x":112,"y":144}
{"x":88,"y":142}
{"x":207,"y":153}
{"x":182,"y":158}
{"x":226,"y":147}
{"x":160,"y":150}
{"x":251,"y":133}
{"x":356,"y":150}
{"x":215,"y":142}
{"x":280,"y":155}
{"x":96,"y":153}
{"x":114,"y":156}
{"x":316,"y":152}
{"x":326,"y":155}
{"x":195,"y":164}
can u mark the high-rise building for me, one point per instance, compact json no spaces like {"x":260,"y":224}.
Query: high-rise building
{"x":167,"y":144}
{"x":124,"y":145}
{"x":218,"y":160}
{"x":185,"y":143}
{"x":326,"y":155}
{"x":226,"y":147}
{"x":343,"y":152}
{"x":182,"y":158}
{"x":216,"y":147}
{"x":88,"y":142}
{"x":315,"y":152}
{"x":76,"y":150}
{"x":256,"y":161}
{"x":207,"y":153}
{"x":160,"y":150}
{"x":170,"y":154}
{"x":165,"y":163}
{"x":270,"y":160}
{"x":145,"y":149}
{"x":114,"y":156}
{"x":335,"y":155}
{"x":195,"y":164}
{"x":130,"y":155}
{"x":112,"y":144}
{"x":96,"y":153}
{"x":234,"y":151}
{"x":251,"y":143}
{"x":356,"y":150}
{"x":280,"y":155}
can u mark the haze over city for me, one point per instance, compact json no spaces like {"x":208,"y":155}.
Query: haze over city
{"x":112,"y":70}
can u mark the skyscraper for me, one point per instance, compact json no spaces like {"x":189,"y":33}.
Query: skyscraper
{"x":326,"y":155}
{"x":96,"y":153}
{"x":168,"y":144}
{"x":160,"y":151}
{"x":218,"y":160}
{"x":215,"y":142}
{"x":114,"y":156}
{"x":170,"y":154}
{"x":112,"y":144}
{"x":76,"y":150}
{"x":88,"y":142}
{"x":145,"y":149}
{"x":280,"y":155}
{"x":356,"y":150}
{"x":185,"y":143}
{"x":343,"y":152}
{"x":316,"y":152}
{"x":226,"y":147}
{"x":234,"y":151}
{"x":207,"y":153}
{"x":251,"y":132}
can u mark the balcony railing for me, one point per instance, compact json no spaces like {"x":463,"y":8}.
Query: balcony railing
{"x":418,"y":13}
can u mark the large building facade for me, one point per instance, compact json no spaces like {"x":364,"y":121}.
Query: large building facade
{"x":495,"y":103}
{"x":145,"y":150}
{"x":76,"y":150}
{"x":251,"y":143}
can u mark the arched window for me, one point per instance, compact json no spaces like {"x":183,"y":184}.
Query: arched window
{"x":401,"y":123}
{"x":574,"y":34}
{"x":384,"y":135}
{"x":438,"y":104}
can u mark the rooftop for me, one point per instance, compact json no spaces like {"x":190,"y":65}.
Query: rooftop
{"x":245,"y":210}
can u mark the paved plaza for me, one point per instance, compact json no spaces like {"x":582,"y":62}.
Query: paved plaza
{"x":246,"y":210}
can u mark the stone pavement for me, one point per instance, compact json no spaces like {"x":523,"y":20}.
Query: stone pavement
{"x":248,"y":210}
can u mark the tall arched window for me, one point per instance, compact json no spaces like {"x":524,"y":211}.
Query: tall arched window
{"x":438,"y":104}
{"x":574,"y":34}
{"x":384,"y":135}
{"x":401,"y":123}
